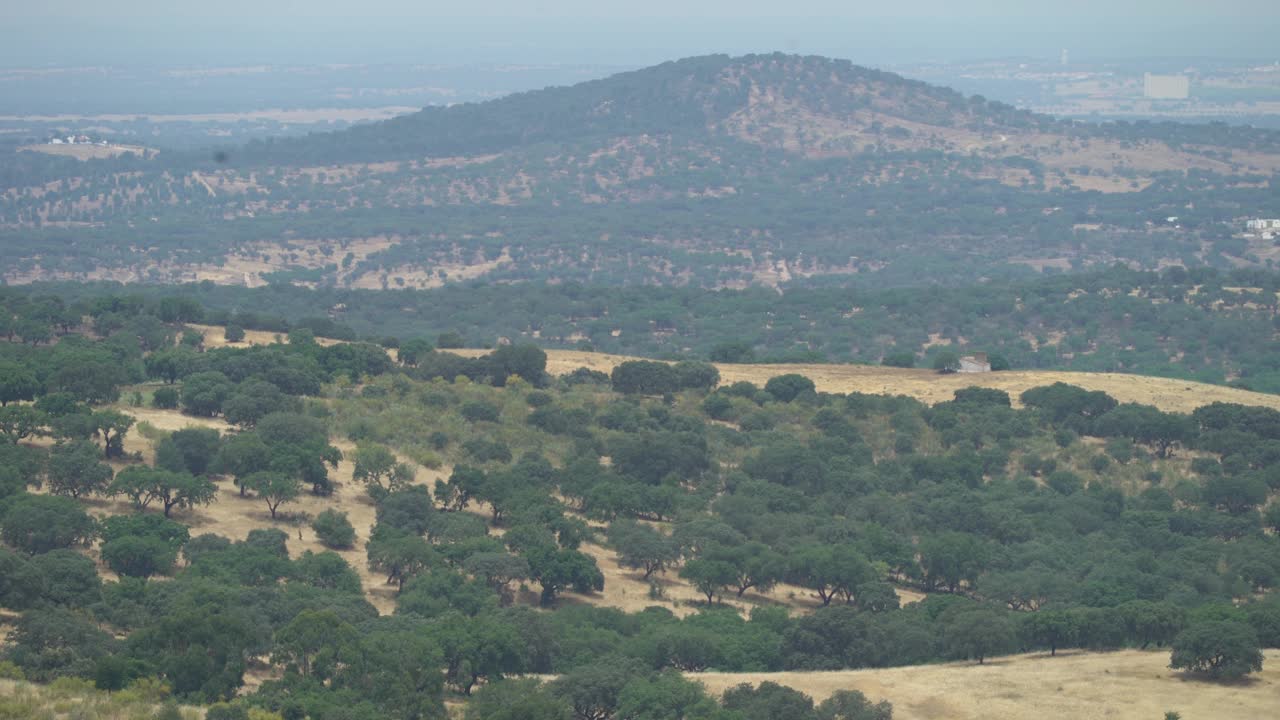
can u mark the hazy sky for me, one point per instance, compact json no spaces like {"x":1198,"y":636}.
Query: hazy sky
{"x":42,"y":32}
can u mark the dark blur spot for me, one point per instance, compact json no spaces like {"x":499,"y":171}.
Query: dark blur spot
{"x":220,"y":156}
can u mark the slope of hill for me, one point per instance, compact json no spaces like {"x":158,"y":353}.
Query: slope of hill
{"x":595,"y":502}
{"x":714,"y":171}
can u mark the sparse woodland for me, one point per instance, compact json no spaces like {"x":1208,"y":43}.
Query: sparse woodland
{"x":775,"y":528}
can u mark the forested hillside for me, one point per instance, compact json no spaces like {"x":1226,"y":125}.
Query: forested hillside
{"x":331,"y":531}
{"x":707,"y":172}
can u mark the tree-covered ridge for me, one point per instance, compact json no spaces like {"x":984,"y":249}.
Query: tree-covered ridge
{"x":710,"y":171}
{"x":1203,"y":325}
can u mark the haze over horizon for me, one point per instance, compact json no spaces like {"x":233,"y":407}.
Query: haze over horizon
{"x":65,"y":32}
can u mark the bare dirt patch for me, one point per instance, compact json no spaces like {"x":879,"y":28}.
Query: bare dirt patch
{"x":429,"y":275}
{"x":86,"y":151}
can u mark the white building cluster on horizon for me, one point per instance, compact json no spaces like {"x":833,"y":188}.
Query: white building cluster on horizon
{"x":76,"y":140}
{"x":1165,"y":87}
{"x":1266,"y":228}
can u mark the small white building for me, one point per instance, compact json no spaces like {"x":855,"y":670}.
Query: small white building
{"x":1263,"y":224}
{"x":975,"y":363}
{"x":1165,"y":87}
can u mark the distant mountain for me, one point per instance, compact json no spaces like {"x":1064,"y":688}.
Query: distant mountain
{"x":810,"y":105}
{"x":712,"y":171}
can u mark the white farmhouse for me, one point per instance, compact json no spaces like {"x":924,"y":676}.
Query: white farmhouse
{"x":975,"y":363}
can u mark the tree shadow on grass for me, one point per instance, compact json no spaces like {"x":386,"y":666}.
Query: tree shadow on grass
{"x":1202,"y":678}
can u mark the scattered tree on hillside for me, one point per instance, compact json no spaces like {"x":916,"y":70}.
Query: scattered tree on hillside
{"x":641,"y":547}
{"x":276,"y":488}
{"x":377,"y":467}
{"x":19,"y":422}
{"x":144,"y":485}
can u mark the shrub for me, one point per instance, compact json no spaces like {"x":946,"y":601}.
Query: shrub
{"x":40,"y":523}
{"x":1120,"y":449}
{"x":452,"y":339}
{"x":234,"y":333}
{"x":334,"y":529}
{"x":480,"y":411}
{"x":585,"y":376}
{"x":165,"y":398}
{"x":718,"y":406}
{"x":169,"y":711}
{"x":785,"y":388}
{"x":436,"y":399}
{"x":485,"y":450}
{"x":138,"y":556}
{"x":223,"y":711}
{"x":1100,"y":463}
{"x":756,"y":422}
{"x":692,"y":375}
{"x":1064,"y":482}
{"x":145,"y":690}
{"x":733,"y":352}
{"x":644,"y":377}
{"x":946,"y":361}
{"x":900,"y":359}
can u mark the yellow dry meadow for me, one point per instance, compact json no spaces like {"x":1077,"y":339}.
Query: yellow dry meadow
{"x":1122,"y":685}
{"x":931,"y":387}
{"x":1168,"y":394}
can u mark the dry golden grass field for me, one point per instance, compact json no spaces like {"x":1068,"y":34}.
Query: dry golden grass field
{"x":1123,"y":685}
{"x":931,"y":387}
{"x":926,"y":385}
{"x":77,"y":700}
